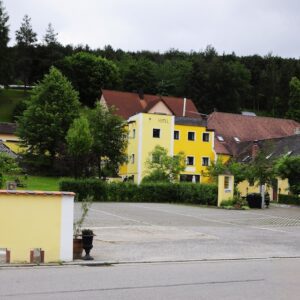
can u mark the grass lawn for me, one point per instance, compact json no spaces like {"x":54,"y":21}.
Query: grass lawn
{"x":9,"y":98}
{"x":37,"y":182}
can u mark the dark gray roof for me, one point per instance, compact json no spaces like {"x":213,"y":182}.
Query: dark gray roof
{"x":190,"y":121}
{"x":5,"y":149}
{"x":8,"y":128}
{"x":277,"y":147}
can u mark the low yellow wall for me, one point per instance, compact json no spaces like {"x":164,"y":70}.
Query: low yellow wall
{"x":225,"y":193}
{"x":29,"y":221}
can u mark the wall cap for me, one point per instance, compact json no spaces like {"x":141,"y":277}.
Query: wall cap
{"x":42,"y":193}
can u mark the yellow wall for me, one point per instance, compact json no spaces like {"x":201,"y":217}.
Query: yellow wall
{"x":224,"y":158}
{"x":30,"y":221}
{"x":245,"y":188}
{"x":196,"y":148}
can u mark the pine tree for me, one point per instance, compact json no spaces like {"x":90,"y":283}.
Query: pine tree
{"x":50,"y":38}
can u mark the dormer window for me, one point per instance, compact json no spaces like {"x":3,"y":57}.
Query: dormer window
{"x":268,"y":156}
{"x":289,"y":153}
{"x":245,"y":158}
{"x":236,"y":139}
{"x":220,"y":138}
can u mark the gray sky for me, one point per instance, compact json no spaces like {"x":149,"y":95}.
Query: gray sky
{"x":243,"y":26}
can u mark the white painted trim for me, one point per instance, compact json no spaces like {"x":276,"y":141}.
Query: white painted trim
{"x":66,"y":234}
{"x":172,"y":135}
{"x":140,"y":148}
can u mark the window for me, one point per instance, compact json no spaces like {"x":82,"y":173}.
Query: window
{"x":132,"y":158}
{"x":205,"y":161}
{"x":220,"y":138}
{"x":237,"y":139}
{"x":156,"y":133}
{"x":190,"y":160}
{"x":176,"y":135}
{"x":226,"y":182}
{"x":191,"y":136}
{"x":133,"y":133}
{"x":205,"y":137}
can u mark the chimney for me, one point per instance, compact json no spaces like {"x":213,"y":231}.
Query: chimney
{"x":141,"y":94}
{"x":184,"y":107}
{"x":255,"y":149}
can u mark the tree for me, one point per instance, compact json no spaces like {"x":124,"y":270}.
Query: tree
{"x":4,"y":39}
{"x":261,"y":170}
{"x":294,"y":101}
{"x":8,"y":165}
{"x":288,"y":167}
{"x":163,"y":167}
{"x":50,"y":38}
{"x":89,"y":74}
{"x":140,"y":75}
{"x":49,"y":113}
{"x":237,"y":169}
{"x":80,"y":141}
{"x":110,"y":140}
{"x":26,"y":39}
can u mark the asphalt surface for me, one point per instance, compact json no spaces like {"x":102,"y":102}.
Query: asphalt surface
{"x":276,"y":279}
{"x":147,"y":232}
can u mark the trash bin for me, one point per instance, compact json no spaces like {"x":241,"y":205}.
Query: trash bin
{"x":254,"y":200}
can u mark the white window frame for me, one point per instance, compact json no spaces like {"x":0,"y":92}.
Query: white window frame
{"x":203,"y":161}
{"x":187,"y":160}
{"x":194,"y":136}
{"x":154,"y":137}
{"x":203,"y":137}
{"x":178,"y":135}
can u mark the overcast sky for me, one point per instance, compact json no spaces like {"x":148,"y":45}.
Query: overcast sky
{"x":243,"y":26}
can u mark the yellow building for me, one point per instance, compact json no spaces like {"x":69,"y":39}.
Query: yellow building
{"x":175,"y":134}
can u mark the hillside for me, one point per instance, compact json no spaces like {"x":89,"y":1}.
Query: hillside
{"x":9,"y":99}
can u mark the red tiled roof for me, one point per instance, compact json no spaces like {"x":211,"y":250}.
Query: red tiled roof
{"x":129,"y":104}
{"x":248,"y":128}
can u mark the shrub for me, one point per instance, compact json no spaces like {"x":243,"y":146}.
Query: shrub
{"x":235,"y":203}
{"x":205,"y":194}
{"x":289,"y":199}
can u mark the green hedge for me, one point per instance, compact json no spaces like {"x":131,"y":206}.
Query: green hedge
{"x":205,"y":194}
{"x":289,"y":199}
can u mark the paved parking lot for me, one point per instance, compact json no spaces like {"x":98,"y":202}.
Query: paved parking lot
{"x":136,"y":232}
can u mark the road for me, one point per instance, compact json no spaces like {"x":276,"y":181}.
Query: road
{"x":243,"y":279}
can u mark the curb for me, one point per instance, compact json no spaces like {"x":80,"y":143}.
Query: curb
{"x":96,"y":263}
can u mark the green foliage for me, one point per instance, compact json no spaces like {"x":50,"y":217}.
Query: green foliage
{"x":79,"y":144}
{"x":163,"y":167}
{"x":85,"y":206}
{"x":238,"y":170}
{"x":289,"y":167}
{"x":261,"y":168}
{"x":8,"y":165}
{"x":25,"y":36}
{"x":110,"y":139}
{"x":50,"y":37}
{"x":51,"y":110}
{"x":289,"y":199}
{"x":88,"y":74}
{"x":235,"y":203}
{"x":294,"y":101}
{"x":190,"y":193}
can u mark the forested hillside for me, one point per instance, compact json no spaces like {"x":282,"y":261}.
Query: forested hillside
{"x":223,"y":82}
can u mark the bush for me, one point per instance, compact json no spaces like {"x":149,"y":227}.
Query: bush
{"x":205,"y":194}
{"x":289,"y":199}
{"x":235,"y":203}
